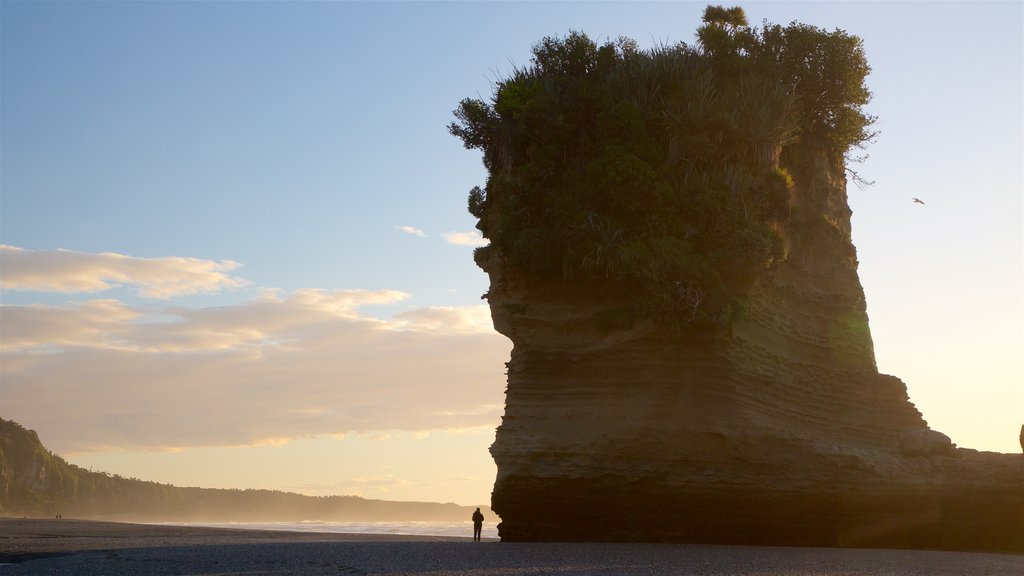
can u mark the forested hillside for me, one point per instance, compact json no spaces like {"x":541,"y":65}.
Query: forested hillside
{"x":36,"y":482}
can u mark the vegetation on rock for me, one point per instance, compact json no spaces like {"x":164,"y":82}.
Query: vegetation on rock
{"x":659,"y":172}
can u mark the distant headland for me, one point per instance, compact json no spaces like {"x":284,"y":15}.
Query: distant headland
{"x":35,"y":482}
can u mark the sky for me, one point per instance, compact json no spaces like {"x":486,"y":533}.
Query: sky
{"x":236,"y":250}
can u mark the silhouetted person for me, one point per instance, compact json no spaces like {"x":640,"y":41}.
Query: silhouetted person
{"x":478,"y":525}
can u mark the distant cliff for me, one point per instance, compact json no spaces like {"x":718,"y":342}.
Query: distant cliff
{"x":35,"y":482}
{"x":671,"y":257}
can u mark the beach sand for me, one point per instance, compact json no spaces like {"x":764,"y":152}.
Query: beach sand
{"x":85,"y":548}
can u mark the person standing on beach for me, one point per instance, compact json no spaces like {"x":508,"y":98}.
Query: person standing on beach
{"x":478,"y":524}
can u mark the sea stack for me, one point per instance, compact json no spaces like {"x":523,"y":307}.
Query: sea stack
{"x":784,"y":434}
{"x":692,"y":360}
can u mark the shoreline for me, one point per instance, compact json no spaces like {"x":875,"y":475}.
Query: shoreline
{"x":20,"y":536}
{"x":101,"y":548}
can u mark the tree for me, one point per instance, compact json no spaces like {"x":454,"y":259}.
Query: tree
{"x":826,"y":71}
{"x":732,"y":18}
{"x":725,"y":32}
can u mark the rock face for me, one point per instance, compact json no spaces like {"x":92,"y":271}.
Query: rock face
{"x":781,"y":433}
{"x":924,"y":442}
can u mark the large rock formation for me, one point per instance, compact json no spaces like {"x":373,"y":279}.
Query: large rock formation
{"x":781,"y":432}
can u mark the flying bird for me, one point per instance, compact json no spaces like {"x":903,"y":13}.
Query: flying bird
{"x":918,"y":200}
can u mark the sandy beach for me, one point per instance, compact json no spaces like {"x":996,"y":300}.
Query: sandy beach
{"x":79,"y":547}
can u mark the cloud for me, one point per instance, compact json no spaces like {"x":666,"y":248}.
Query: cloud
{"x":367,"y":487}
{"x":447,"y":319}
{"x":102,"y":375}
{"x":413,"y":231}
{"x":472,"y":238}
{"x":108,"y":324}
{"x":68,"y":271}
{"x":97,"y":322}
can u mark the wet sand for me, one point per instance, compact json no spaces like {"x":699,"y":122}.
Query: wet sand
{"x":104,"y":548}
{"x":35,"y":536}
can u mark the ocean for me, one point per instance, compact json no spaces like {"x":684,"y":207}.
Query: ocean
{"x":403,"y":528}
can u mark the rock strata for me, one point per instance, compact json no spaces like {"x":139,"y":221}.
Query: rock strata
{"x":924,"y":442}
{"x":782,"y":432}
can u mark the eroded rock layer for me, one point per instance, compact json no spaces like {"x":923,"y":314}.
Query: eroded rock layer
{"x":781,"y":433}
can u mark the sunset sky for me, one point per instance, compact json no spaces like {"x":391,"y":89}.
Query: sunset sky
{"x":236,"y":251}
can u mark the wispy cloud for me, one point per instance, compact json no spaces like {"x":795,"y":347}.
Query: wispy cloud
{"x":472,"y":238}
{"x":101,"y":374}
{"x":367,"y":487}
{"x":268,"y":320}
{"x":68,"y":271}
{"x":413,"y":231}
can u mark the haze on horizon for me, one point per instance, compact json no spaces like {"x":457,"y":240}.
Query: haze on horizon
{"x":235,"y":248}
